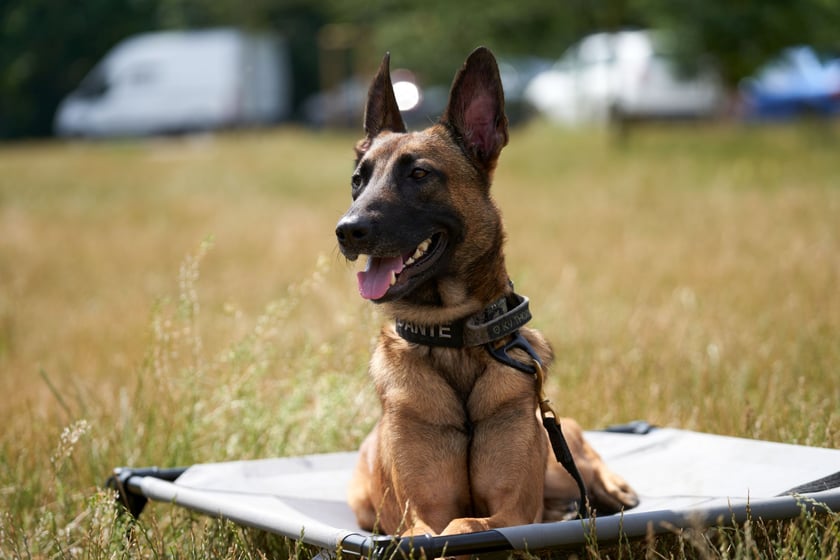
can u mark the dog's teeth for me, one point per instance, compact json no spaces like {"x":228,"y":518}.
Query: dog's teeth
{"x":421,"y":249}
{"x":419,"y":252}
{"x":393,"y":278}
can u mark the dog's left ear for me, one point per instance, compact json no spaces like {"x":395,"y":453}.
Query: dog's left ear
{"x":476,"y":109}
{"x":382,"y":112}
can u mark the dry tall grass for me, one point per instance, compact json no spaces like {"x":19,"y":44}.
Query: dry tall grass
{"x":174,"y":301}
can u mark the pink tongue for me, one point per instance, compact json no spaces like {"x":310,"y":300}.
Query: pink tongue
{"x":375,"y":280}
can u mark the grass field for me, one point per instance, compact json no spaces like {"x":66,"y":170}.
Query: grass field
{"x":182,"y":300}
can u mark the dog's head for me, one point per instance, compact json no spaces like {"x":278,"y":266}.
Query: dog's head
{"x":421,"y":211}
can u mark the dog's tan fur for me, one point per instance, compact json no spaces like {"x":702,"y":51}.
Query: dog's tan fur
{"x":459,"y":446}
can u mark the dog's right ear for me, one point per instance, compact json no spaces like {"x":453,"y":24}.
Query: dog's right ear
{"x":382,"y":112}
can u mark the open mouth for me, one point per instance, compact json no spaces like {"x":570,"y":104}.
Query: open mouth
{"x":394,"y":276}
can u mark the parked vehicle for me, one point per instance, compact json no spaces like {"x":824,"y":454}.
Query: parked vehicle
{"x":343,"y":106}
{"x":623,"y":75}
{"x":516,"y":73}
{"x":798,"y":82}
{"x":177,"y":81}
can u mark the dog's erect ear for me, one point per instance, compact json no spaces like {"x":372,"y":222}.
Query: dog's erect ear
{"x":382,"y":112}
{"x":476,"y":109}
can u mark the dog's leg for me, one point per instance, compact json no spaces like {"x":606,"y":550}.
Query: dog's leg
{"x":380,"y":502}
{"x":506,"y":457}
{"x":419,"y":467}
{"x":608,"y":492}
{"x":429,"y":475}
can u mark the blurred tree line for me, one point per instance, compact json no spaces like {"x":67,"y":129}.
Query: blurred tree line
{"x":46,"y":47}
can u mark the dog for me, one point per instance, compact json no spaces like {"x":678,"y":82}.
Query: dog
{"x":459,"y":446}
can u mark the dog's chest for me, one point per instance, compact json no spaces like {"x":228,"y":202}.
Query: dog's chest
{"x":460,"y":369}
{"x":442,"y":376}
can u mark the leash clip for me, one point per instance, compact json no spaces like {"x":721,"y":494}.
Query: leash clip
{"x":501,"y":353}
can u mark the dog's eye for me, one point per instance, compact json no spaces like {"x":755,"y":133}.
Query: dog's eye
{"x":356,"y":184}
{"x":418,"y":174}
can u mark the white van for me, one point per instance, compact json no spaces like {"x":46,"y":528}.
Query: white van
{"x":179,"y":81}
{"x":623,"y":75}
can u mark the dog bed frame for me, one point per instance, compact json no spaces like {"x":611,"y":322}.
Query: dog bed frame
{"x":684,"y":479}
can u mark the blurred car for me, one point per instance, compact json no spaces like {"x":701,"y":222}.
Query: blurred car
{"x":623,"y":75}
{"x":181,"y":81}
{"x":420,"y":105}
{"x":798,"y":82}
{"x":343,"y":106}
{"x":516,"y":73}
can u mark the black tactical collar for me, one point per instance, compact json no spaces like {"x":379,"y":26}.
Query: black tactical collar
{"x":501,"y":318}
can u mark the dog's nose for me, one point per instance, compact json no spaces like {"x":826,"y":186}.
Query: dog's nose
{"x":352,"y":229}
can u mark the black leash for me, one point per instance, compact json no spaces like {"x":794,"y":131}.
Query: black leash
{"x":498,"y":321}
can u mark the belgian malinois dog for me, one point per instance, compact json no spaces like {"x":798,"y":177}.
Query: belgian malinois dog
{"x":459,"y":446}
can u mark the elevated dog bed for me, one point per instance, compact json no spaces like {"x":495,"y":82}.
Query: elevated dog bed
{"x":684,"y":479}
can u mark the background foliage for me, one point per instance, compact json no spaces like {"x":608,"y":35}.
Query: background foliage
{"x":46,"y":47}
